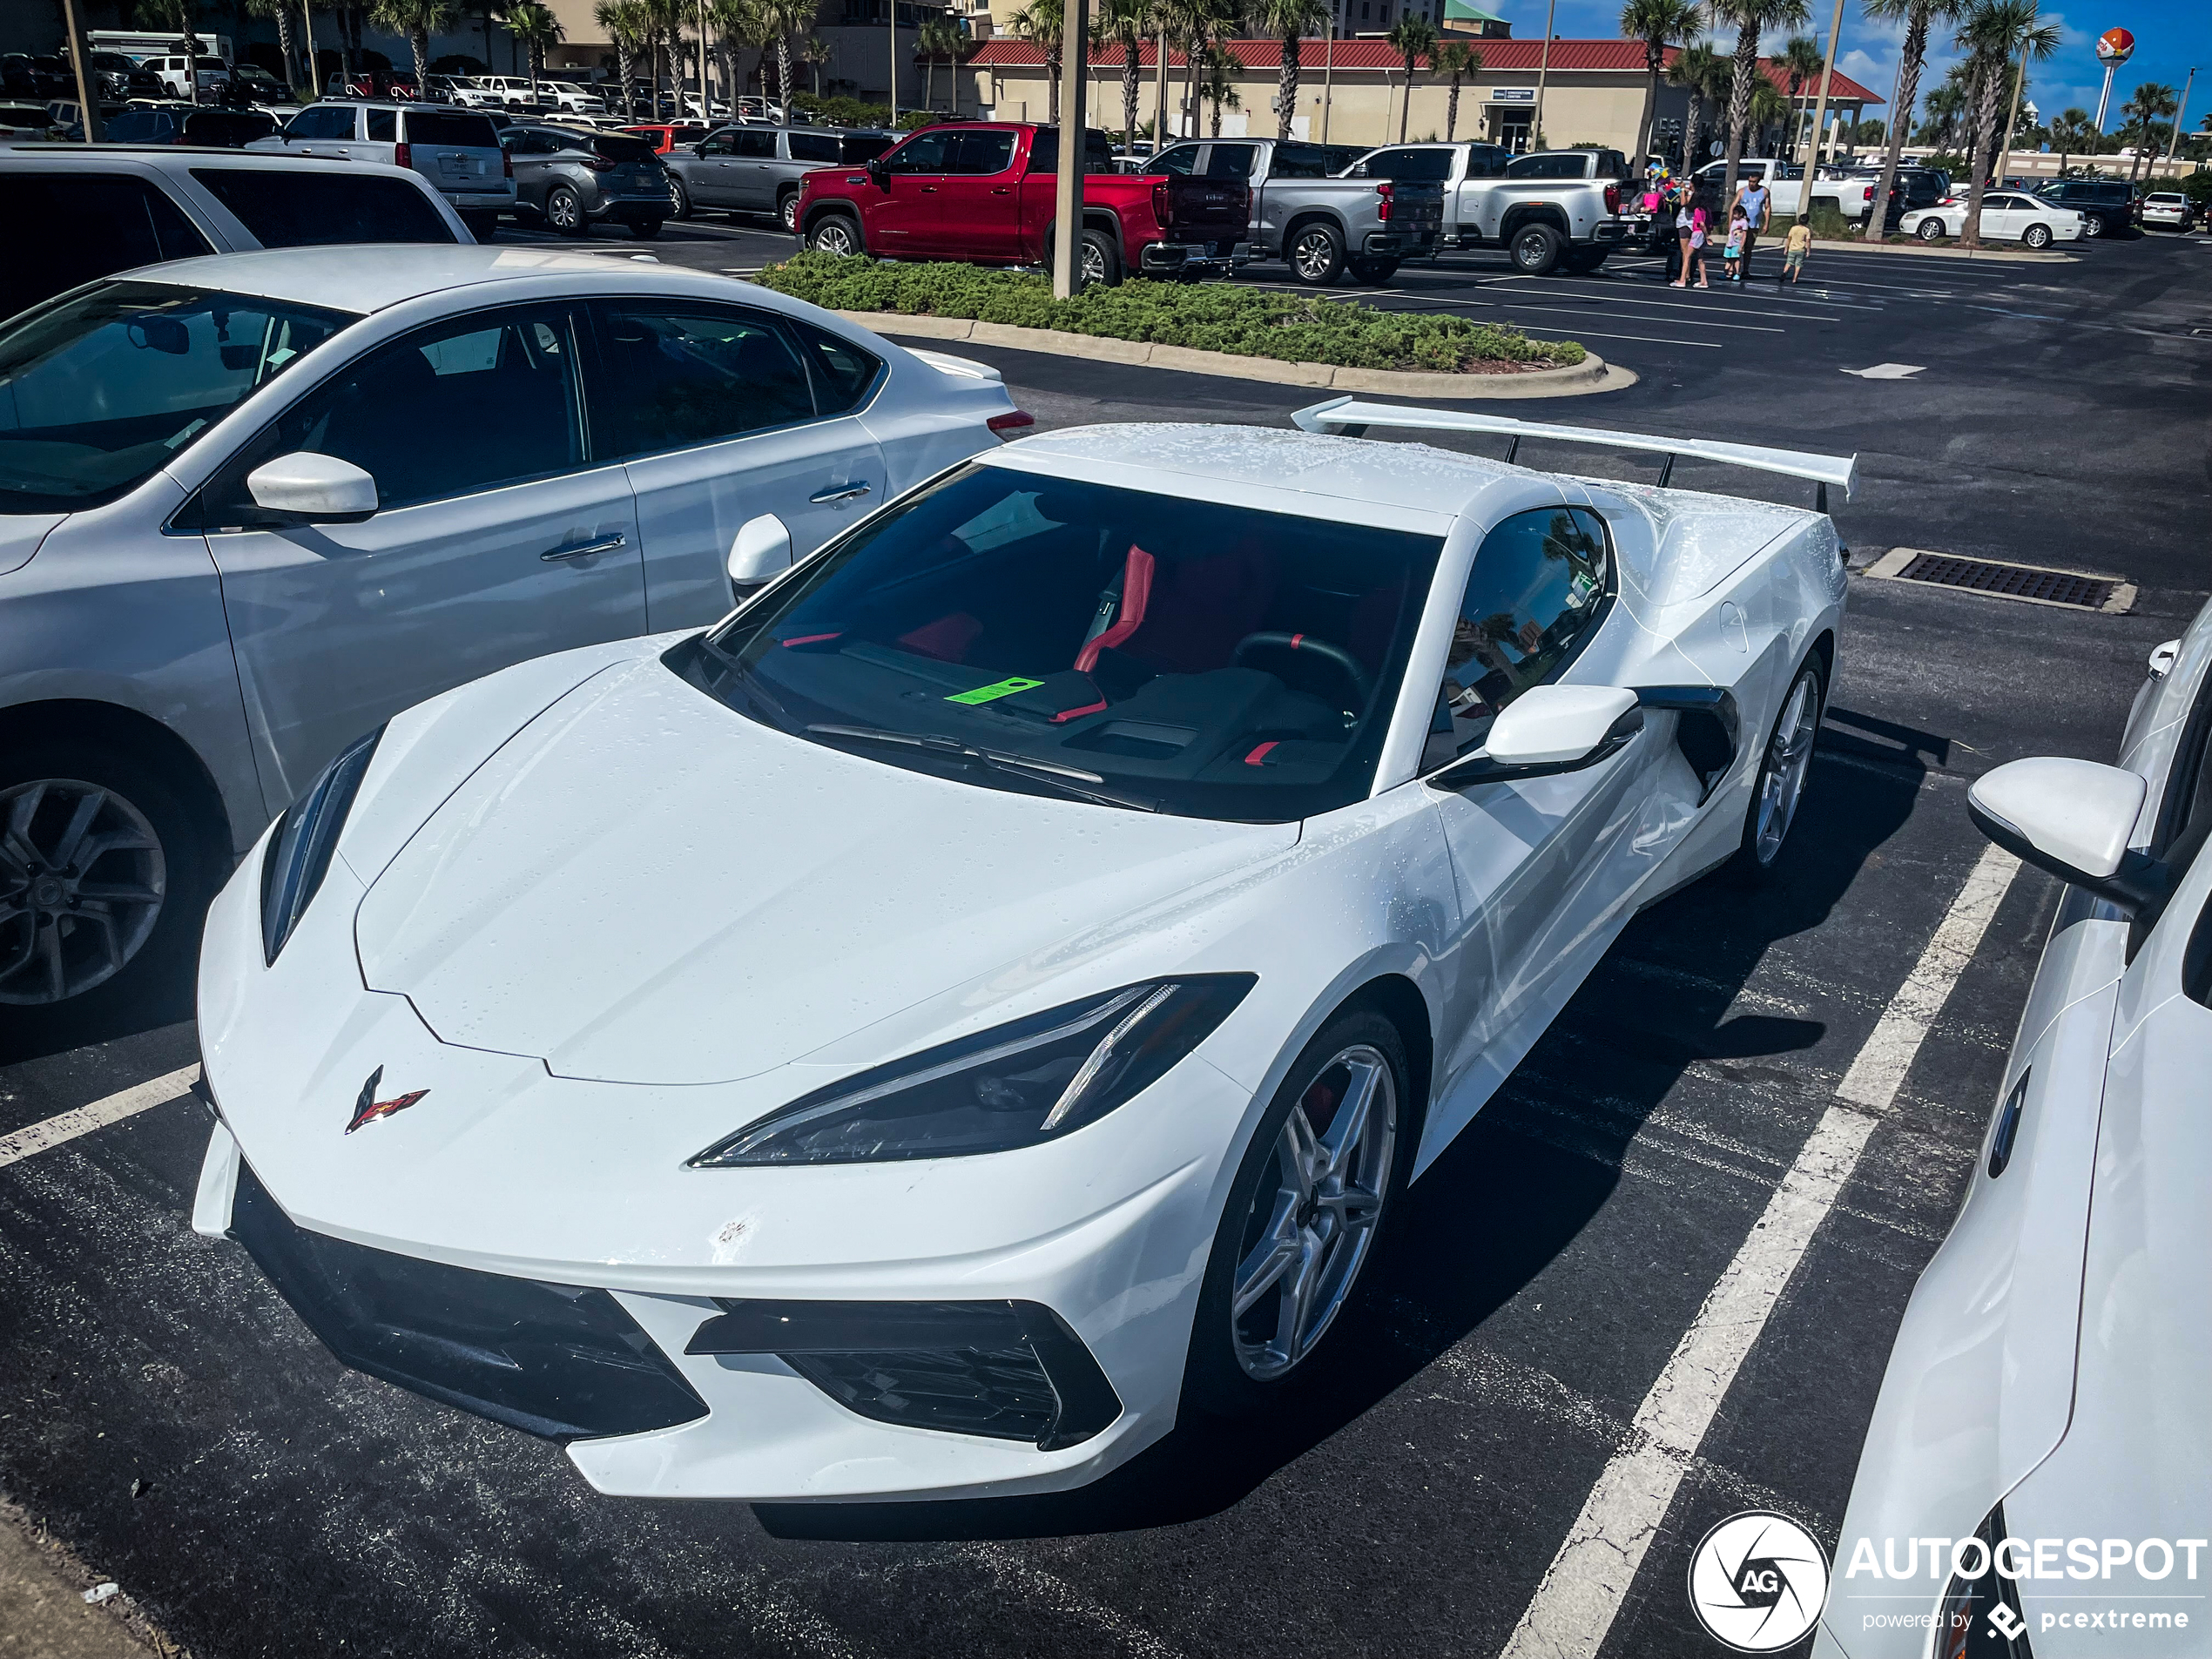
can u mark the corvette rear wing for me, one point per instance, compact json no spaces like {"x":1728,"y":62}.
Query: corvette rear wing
{"x":1351,"y":418}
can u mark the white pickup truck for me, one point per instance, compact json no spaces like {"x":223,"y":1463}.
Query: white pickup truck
{"x":1849,"y":197}
{"x":1549,"y":210}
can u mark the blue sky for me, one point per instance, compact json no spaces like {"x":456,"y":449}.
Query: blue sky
{"x":2170,"y":35}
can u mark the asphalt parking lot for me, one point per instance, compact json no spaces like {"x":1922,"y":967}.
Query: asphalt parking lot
{"x":1483,"y":1470}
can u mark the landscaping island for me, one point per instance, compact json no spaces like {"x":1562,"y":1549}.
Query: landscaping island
{"x":1205,"y":316}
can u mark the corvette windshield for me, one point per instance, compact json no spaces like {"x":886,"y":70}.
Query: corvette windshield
{"x":1146,"y":651}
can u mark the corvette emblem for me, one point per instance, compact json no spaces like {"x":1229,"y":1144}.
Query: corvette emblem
{"x":369,"y":1108}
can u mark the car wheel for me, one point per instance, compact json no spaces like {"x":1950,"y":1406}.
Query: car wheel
{"x":563,"y":212}
{"x":679,"y":200}
{"x":1930,"y":230}
{"x":787,"y":211}
{"x":1309,"y":1201}
{"x":1101,"y":260}
{"x":1783,"y":766}
{"x":835,"y":233}
{"x":2092,"y":226}
{"x":104,"y":876}
{"x":1316,"y":254}
{"x":2037,"y":236}
{"x":1374,"y":272}
{"x":1535,"y":249}
{"x":644,"y":229}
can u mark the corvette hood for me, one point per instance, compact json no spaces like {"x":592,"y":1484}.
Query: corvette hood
{"x":643,"y":886}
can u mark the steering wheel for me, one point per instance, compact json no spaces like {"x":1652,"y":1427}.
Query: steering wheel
{"x":1344,"y":660}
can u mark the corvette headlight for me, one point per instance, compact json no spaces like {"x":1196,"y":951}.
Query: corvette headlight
{"x":300,"y":852}
{"x":1034,"y":1079}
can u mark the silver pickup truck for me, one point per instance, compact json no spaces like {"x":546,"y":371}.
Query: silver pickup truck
{"x":1321,"y":226}
{"x":1551,"y":209}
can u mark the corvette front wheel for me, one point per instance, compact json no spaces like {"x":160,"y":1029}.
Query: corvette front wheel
{"x":1783,"y":766}
{"x":1303,"y":1215}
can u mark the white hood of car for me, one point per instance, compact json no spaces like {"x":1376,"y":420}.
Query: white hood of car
{"x":645,"y":886}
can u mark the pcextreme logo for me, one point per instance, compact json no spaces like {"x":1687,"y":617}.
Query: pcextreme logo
{"x":1757,"y":1581}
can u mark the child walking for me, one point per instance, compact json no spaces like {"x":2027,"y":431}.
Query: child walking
{"x":1739,"y":228}
{"x":1795,"y":247}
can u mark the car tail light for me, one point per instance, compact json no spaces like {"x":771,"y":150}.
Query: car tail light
{"x":507,"y":164}
{"x":1612,"y":198}
{"x":1160,"y":202}
{"x":401,"y":156}
{"x":1012,"y":420}
{"x":598,"y":163}
{"x":1384,"y":191}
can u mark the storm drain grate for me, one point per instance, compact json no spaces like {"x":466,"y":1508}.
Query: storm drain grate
{"x":2014,"y":581}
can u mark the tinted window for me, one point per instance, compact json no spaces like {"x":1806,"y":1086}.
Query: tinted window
{"x":141,"y":127}
{"x":1232,"y":161}
{"x":283,"y":207}
{"x":721,"y":144}
{"x":679,"y":376}
{"x":1181,"y":159}
{"x":758,"y":143}
{"x":323,"y":121}
{"x":1611,"y":164}
{"x":867,"y":147}
{"x":99,"y":392}
{"x":813,"y":146}
{"x":1570,"y":166}
{"x":1301,"y":161}
{"x":88,"y":225}
{"x":1488,"y":161}
{"x":227,"y":128}
{"x":980,"y":154}
{"x":1219,"y":660}
{"x":924,"y":153}
{"x":383,"y":125}
{"x":470,"y":405}
{"x":1044,"y":151}
{"x":1538,"y":582}
{"x":456,"y":131}
{"x":1410,"y":165}
{"x":622,"y":151}
{"x":843,"y":373}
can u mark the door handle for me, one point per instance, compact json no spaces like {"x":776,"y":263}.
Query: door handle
{"x":585,"y":550}
{"x":838,"y":492}
{"x":929,"y":190}
{"x":1001,"y":190}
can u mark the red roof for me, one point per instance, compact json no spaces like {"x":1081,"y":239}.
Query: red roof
{"x":1513,"y":56}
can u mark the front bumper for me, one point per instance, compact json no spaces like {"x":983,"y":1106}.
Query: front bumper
{"x":1218,"y":258}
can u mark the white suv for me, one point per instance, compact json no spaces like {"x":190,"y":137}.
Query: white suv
{"x":458,"y":150}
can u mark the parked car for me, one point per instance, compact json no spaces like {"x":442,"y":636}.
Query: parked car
{"x":1060,"y":919}
{"x":20,"y":79}
{"x":381,"y":85}
{"x":573,"y":99}
{"x":757,"y":169}
{"x":28,"y":123}
{"x":176,"y":74}
{"x":1551,"y":208}
{"x":2169,"y":210}
{"x":984,"y":192}
{"x":89,"y":214}
{"x":1321,"y":227}
{"x":2108,"y":206}
{"x":2048,"y":1379}
{"x":205,"y":125}
{"x":458,"y":151}
{"x":391,"y":476}
{"x":666,"y":137}
{"x":124,"y":77}
{"x":572,"y":180}
{"x":515,"y":92}
{"x":255,"y":83}
{"x":2006,"y":217}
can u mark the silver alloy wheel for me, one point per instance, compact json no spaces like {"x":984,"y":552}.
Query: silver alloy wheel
{"x":1309,"y":1230}
{"x":1314,"y":254}
{"x":1784,"y":767}
{"x":563,"y":212}
{"x":1931,"y":229}
{"x":677,"y":204}
{"x":835,"y":236}
{"x":82,"y":879}
{"x":2092,"y":226}
{"x":1094,"y":261}
{"x":2037,"y":236}
{"x":787,"y":211}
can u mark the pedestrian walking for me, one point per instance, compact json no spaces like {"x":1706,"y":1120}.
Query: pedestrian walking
{"x":1739,"y":230}
{"x":1795,"y":247}
{"x":1752,"y":199}
{"x":1692,"y":225}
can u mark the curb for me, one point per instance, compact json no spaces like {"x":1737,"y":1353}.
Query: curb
{"x":1593,"y":373}
{"x":2009,"y":255}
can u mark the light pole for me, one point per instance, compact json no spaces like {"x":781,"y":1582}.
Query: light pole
{"x":1328,"y":75}
{"x":88,"y":79}
{"x":2181,"y":114}
{"x":893,"y":6}
{"x":1820,"y":112}
{"x":1543,"y":72}
{"x":1067,"y":221}
{"x":2012,"y":121}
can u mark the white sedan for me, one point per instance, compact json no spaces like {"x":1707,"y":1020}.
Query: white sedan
{"x":252,"y":505}
{"x":987,"y":995}
{"x":2006,"y":216}
{"x":2046,"y":1393}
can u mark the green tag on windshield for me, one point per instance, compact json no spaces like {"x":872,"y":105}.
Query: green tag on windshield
{"x":985,"y":693}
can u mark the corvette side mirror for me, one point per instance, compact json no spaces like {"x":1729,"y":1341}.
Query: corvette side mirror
{"x":1548,"y":729}
{"x":762,"y":549}
{"x":311,"y":488}
{"x":2073,"y":819}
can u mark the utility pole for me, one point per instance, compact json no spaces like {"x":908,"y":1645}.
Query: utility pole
{"x":892,"y":7}
{"x":1819,"y":112}
{"x":1160,"y":115}
{"x":706,"y":103}
{"x":2012,"y":121}
{"x":2181,"y":114}
{"x":314,"y":86}
{"x":1543,"y":73}
{"x":88,"y":80}
{"x":1328,"y":76}
{"x":1067,"y":221}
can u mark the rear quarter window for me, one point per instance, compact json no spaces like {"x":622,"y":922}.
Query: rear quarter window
{"x":621,"y":150}
{"x":283,"y":207}
{"x":87,"y":225}
{"x":456,"y":131}
{"x":856,"y":151}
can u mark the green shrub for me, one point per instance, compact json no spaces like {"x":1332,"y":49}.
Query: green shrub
{"x":1829,"y":224}
{"x":1208,"y":316}
{"x":2197,"y":186}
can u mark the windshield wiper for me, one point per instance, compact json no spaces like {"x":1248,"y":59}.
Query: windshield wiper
{"x":1071,"y":781}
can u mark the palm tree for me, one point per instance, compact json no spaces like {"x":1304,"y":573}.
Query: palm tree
{"x":1752,"y":18}
{"x":1919,"y":15}
{"x":1290,"y":22}
{"x":626,"y":23}
{"x":938,"y":36}
{"x":814,"y":51}
{"x":1800,"y":61}
{"x":1995,"y":32}
{"x":416,"y":21}
{"x":2151,"y":101}
{"x":1457,"y":60}
{"x":1771,"y":109}
{"x":280,"y":12}
{"x":1411,"y":37}
{"x":1701,"y":71}
{"x":1222,"y":66}
{"x":2071,"y":131}
{"x":1658,"y":24}
{"x":1040,"y":22}
{"x":779,"y":20}
{"x":1125,"y":23}
{"x":536,"y":27}
{"x":733,"y":24}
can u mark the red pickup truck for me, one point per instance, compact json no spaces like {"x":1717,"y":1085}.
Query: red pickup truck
{"x":984,"y":192}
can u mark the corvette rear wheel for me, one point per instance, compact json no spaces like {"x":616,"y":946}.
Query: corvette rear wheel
{"x":1303,"y":1215}
{"x":1784,"y":767}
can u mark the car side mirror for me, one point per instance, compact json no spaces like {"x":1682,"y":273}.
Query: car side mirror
{"x":880,"y":175}
{"x":1548,"y":729}
{"x":2073,"y":819}
{"x":313,"y":489}
{"x":761,"y":551}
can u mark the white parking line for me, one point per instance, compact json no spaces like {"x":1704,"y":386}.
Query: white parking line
{"x":1582,"y":1593}
{"x":1523,"y":304}
{"x":67,"y":1126}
